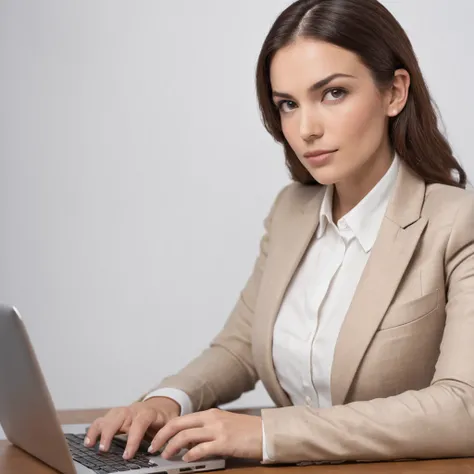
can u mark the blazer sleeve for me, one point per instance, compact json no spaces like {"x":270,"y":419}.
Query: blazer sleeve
{"x":225,"y":369}
{"x":435,"y":422}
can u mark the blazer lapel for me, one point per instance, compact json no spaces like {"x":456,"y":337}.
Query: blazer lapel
{"x":297,"y":235}
{"x":398,"y":237}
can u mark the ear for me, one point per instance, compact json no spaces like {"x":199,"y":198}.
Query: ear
{"x":398,"y":94}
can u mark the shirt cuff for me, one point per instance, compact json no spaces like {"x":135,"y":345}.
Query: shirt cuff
{"x":180,"y":397}
{"x":265,"y":458}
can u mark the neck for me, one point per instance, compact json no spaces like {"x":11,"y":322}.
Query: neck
{"x":350,"y":191}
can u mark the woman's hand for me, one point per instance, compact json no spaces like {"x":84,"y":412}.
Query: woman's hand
{"x":138,"y":420}
{"x":212,"y":432}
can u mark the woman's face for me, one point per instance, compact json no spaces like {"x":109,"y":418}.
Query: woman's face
{"x":348,"y":114}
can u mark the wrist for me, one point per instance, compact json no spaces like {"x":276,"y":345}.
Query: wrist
{"x":164,"y":403}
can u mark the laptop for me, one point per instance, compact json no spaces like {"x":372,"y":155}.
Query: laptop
{"x":30,"y":422}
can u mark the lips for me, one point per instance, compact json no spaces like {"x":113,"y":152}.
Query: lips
{"x":319,"y":159}
{"x":310,"y":154}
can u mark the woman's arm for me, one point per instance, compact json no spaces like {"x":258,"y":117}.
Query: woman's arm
{"x":225,"y":370}
{"x":434,"y":422}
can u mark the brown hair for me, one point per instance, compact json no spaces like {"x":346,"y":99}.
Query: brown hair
{"x":369,"y":30}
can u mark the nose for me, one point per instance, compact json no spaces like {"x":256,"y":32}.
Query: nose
{"x":311,"y":126}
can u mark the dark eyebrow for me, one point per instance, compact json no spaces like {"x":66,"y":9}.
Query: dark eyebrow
{"x":315,"y":86}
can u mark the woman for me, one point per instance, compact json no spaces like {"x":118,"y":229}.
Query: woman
{"x":359,"y":314}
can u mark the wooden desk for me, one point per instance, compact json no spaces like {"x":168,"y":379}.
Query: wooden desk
{"x":15,"y":461}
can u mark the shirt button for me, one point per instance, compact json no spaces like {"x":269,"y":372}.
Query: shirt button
{"x":308,"y":401}
{"x":342,"y":225}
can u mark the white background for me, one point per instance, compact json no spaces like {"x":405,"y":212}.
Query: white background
{"x":135,"y":174}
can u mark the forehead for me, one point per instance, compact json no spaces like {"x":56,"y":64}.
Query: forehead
{"x":306,"y":61}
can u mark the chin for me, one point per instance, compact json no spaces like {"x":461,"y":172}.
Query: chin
{"x":324,"y":177}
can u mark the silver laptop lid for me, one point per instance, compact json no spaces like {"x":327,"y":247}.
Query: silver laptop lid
{"x":27,"y":413}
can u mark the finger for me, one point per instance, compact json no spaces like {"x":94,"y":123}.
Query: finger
{"x":173,"y":427}
{"x":201,"y":451}
{"x":110,"y":426}
{"x":184,"y":438}
{"x":137,"y":430}
{"x":93,"y":432}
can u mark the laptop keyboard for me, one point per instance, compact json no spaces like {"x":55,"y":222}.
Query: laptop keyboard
{"x":104,"y":463}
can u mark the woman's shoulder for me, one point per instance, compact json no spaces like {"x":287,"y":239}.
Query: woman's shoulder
{"x":295,"y":194}
{"x":444,"y":202}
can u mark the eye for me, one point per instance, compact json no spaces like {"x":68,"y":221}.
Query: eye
{"x":339,"y":92}
{"x":280,"y":104}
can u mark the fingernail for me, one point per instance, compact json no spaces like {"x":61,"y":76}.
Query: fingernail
{"x":125,"y":455}
{"x":87,"y":441}
{"x":185,"y":458}
{"x":150,"y":449}
{"x":102,"y":447}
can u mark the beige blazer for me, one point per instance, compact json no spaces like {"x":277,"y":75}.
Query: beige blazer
{"x":402,"y":379}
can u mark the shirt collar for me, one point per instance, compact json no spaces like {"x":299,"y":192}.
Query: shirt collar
{"x":363,"y":220}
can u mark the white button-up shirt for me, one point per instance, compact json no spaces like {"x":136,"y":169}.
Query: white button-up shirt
{"x":317,"y":299}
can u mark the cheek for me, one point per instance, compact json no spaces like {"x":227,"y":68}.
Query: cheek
{"x":361,"y":125}
{"x":291,"y":132}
